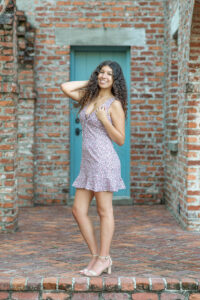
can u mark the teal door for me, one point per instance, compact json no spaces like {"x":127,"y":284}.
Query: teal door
{"x":83,"y":62}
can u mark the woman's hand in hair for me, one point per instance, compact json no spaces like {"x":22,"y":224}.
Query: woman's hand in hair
{"x":74,"y":89}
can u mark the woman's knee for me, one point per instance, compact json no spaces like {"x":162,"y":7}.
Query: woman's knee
{"x":81,"y":202}
{"x":105,"y":212}
{"x":77,"y":211}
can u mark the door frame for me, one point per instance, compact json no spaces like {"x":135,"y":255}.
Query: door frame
{"x":119,"y":200}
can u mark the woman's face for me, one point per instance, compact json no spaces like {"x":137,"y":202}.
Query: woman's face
{"x":105,"y":77}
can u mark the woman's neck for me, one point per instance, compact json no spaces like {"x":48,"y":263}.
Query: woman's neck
{"x":104,"y":94}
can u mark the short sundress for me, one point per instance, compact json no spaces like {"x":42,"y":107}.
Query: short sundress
{"x":100,"y":165}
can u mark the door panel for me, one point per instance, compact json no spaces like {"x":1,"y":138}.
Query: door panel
{"x":84,"y":60}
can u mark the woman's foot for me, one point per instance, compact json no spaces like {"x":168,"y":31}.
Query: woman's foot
{"x":103,"y":264}
{"x":90,"y":265}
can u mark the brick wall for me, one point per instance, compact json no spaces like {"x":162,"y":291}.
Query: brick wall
{"x":3,"y":5}
{"x":172,"y":187}
{"x":8,"y":121}
{"x":181,"y":168}
{"x":184,"y":49}
{"x":193,"y":123}
{"x":52,"y":63}
{"x":26,"y":110}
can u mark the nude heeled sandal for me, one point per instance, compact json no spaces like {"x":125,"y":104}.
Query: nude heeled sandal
{"x":82,"y":272}
{"x":107,"y":269}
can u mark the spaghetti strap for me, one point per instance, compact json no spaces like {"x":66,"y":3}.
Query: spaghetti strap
{"x":109,"y":102}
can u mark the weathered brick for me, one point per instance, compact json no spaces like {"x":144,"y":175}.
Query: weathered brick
{"x":172,"y":296}
{"x":85,"y":296}
{"x":4,"y":295}
{"x":142,"y":283}
{"x":25,"y":296}
{"x":19,"y":284}
{"x":111,"y":284}
{"x":34,"y":284}
{"x":194,"y":297}
{"x":4,"y":284}
{"x":96,"y":284}
{"x":189,"y":284}
{"x":173,"y":284}
{"x":49,"y":283}
{"x":55,"y":296}
{"x":127,"y":284}
{"x":157,"y":284}
{"x":81,"y":284}
{"x":144,"y":296}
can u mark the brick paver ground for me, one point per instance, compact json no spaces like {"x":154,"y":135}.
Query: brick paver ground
{"x":147,"y":243}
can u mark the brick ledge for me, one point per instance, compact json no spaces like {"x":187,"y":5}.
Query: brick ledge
{"x":95,"y":284}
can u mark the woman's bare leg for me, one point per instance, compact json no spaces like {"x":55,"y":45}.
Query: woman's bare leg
{"x":80,"y":212}
{"x":105,"y":211}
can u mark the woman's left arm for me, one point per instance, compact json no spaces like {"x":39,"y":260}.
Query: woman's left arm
{"x":116,"y":130}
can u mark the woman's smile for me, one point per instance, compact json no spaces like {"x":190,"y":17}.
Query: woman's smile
{"x":105,"y":77}
{"x":103,"y":81}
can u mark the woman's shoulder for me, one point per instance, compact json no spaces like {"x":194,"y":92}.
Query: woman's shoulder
{"x":116,"y":107}
{"x":116,"y":103}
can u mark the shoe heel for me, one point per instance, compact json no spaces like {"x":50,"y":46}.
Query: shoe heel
{"x":109,"y":270}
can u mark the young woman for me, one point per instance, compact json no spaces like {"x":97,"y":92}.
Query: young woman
{"x":102,"y":101}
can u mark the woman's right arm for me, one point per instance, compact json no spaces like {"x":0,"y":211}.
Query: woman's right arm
{"x":74,"y":89}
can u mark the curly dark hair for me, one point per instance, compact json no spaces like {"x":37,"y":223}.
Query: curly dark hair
{"x":118,"y":90}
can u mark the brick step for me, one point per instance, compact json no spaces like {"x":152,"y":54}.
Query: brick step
{"x":104,"y":288}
